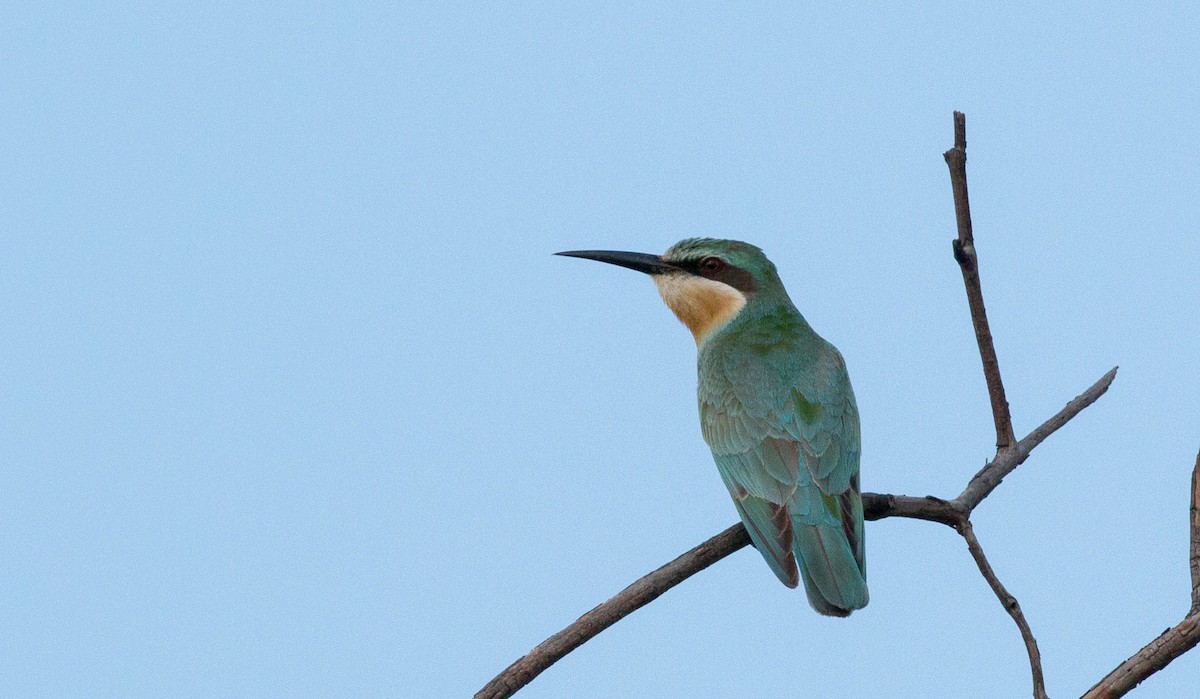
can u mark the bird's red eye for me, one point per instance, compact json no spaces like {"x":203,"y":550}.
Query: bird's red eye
{"x":712,"y":264}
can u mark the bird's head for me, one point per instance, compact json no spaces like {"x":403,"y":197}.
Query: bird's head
{"x":706,"y":282}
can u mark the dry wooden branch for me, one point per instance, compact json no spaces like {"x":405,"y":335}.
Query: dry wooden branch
{"x":645,"y":590}
{"x":1194,"y":558}
{"x":990,"y":476}
{"x":953,"y":513}
{"x":1171,"y":643}
{"x":1010,"y":605}
{"x":1008,"y":454}
{"x":968,"y":262}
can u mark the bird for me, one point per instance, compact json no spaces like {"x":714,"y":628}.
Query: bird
{"x":776,"y":409}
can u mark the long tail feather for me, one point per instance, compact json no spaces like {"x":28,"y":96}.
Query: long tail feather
{"x":832,"y":578}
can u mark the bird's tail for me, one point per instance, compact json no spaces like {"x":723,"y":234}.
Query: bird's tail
{"x":833,"y":576}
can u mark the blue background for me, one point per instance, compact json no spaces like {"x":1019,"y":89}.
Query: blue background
{"x":294,"y":400}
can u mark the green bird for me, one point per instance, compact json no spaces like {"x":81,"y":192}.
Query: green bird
{"x":777,"y":410}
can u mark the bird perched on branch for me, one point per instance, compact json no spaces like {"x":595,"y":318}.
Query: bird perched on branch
{"x":777,"y":410}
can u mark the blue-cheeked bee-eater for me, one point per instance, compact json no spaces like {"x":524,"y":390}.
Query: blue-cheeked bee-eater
{"x":777,"y":410}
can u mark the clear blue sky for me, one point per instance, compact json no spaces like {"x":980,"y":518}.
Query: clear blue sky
{"x":294,"y":400}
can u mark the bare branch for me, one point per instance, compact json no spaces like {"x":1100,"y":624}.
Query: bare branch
{"x":953,"y":513}
{"x":1171,"y":643}
{"x":876,"y":506}
{"x":650,"y":586}
{"x":1010,"y":605}
{"x":929,"y":508}
{"x":1157,"y":654}
{"x":964,"y":253}
{"x":645,"y":590}
{"x":1194,"y":561}
{"x":984,"y":482}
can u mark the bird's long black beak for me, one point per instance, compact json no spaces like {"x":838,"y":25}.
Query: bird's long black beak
{"x":650,"y":264}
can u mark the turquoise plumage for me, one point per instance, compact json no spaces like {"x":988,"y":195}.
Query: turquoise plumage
{"x":777,"y":410}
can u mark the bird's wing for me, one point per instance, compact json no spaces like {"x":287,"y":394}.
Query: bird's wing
{"x":762,"y":481}
{"x":785,"y":437}
{"x":825,"y":421}
{"x":787,"y":397}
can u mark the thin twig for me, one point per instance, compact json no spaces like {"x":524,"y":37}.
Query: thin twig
{"x":964,"y":253}
{"x":984,"y":482}
{"x":1010,"y":605}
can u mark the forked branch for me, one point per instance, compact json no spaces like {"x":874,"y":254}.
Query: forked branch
{"x":955,"y":513}
{"x":983,"y":483}
{"x":952,"y":513}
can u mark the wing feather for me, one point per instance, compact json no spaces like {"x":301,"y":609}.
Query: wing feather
{"x":785,"y":437}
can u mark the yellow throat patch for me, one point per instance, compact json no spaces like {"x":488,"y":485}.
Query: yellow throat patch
{"x":704,"y":305}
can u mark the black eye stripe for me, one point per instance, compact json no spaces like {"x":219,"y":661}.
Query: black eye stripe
{"x":713,"y":267}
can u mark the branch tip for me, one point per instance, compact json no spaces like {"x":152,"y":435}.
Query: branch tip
{"x":968,"y":262}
